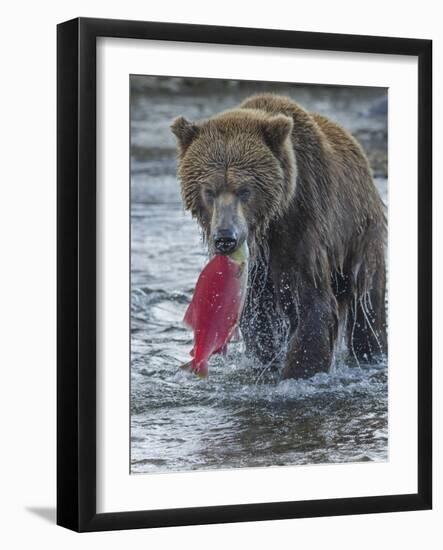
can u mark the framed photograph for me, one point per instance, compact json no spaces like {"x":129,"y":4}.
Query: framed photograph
{"x":244,"y":274}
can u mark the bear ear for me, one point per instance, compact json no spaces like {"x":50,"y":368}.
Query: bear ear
{"x":276,"y":130}
{"x":185,"y":131}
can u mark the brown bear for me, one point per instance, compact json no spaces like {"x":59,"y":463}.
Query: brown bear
{"x":299,"y":189}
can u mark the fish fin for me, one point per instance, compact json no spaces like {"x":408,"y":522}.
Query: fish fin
{"x":188,"y":323}
{"x":187,"y":366}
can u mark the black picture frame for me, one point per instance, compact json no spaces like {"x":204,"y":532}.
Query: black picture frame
{"x":76,"y":273}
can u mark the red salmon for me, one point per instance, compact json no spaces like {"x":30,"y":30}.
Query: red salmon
{"x":216,"y":307}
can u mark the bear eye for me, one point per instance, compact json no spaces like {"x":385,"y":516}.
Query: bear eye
{"x":243,"y":193}
{"x":208,"y":194}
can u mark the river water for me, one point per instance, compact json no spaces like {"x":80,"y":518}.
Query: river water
{"x":240,"y":416}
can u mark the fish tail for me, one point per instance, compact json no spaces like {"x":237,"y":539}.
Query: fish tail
{"x":187,"y":366}
{"x":201,"y":370}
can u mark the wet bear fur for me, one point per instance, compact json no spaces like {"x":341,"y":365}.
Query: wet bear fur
{"x":316,"y":229}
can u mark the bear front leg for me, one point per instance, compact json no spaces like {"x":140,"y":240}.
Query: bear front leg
{"x":311,"y":346}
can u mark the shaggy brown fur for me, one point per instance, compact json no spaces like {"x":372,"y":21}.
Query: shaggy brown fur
{"x":314,"y":222}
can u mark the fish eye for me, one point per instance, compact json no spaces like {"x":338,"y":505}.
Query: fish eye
{"x":244,"y":193}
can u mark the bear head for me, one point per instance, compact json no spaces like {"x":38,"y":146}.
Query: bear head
{"x":237,"y":173}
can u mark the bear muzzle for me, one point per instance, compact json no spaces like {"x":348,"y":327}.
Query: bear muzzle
{"x":225,"y":241}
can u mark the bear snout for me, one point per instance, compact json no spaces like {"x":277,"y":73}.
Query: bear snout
{"x":225,"y":241}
